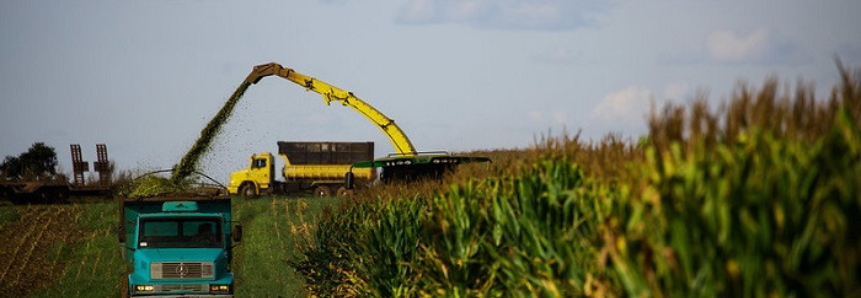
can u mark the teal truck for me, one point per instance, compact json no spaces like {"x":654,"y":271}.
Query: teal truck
{"x":178,"y":245}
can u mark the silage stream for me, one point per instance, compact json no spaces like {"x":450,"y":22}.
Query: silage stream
{"x":191,"y":160}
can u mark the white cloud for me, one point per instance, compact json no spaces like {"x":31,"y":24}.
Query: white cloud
{"x":676,"y":91}
{"x":418,"y":11}
{"x":542,"y":119}
{"x":758,"y":46}
{"x":560,"y":117}
{"x":505,"y":14}
{"x":535,"y":115}
{"x":555,"y":117}
{"x":628,"y":106}
{"x":725,"y":45}
{"x":467,"y":9}
{"x":530,"y":14}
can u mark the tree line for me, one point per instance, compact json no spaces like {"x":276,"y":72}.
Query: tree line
{"x":38,"y":162}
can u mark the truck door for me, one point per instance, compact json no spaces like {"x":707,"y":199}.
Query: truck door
{"x":262,"y":170}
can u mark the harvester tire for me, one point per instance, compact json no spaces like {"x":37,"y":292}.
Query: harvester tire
{"x":322,"y":191}
{"x":248,"y":192}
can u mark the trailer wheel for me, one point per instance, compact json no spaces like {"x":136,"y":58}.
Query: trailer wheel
{"x":344,"y":192}
{"x":322,"y":191}
{"x":63,"y":195}
{"x":248,"y":192}
{"x":43,"y":195}
{"x":6,"y":193}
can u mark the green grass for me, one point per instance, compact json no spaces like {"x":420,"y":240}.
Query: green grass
{"x":7,"y":214}
{"x":95,"y":266}
{"x":274,"y":229}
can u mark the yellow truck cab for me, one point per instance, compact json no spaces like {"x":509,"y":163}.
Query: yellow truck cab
{"x":258,"y":175}
{"x":307,"y":165}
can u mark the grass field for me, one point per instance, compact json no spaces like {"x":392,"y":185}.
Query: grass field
{"x":79,"y":243}
{"x":274,"y":230}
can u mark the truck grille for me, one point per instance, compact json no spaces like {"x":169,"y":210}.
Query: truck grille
{"x":181,"y":270}
{"x":194,"y":288}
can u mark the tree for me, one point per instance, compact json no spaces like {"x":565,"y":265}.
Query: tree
{"x":11,"y":167}
{"x":40,"y":161}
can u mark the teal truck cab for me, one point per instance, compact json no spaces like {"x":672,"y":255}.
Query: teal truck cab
{"x":178,"y":246}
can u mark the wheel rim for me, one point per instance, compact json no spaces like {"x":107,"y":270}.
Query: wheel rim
{"x":249,"y":192}
{"x":322,"y":191}
{"x":344,"y":192}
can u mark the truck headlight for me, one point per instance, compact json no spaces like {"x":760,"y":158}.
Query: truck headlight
{"x":144,"y":288}
{"x":219,"y":288}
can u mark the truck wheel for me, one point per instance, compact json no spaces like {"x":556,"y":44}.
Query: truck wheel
{"x":124,"y":286}
{"x":248,"y":192}
{"x":322,"y":191}
{"x":344,"y":192}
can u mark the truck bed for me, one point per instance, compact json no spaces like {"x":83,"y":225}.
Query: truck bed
{"x":326,"y":153}
{"x":325,"y":162}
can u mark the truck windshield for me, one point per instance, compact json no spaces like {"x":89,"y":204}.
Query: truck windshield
{"x":180,"y":233}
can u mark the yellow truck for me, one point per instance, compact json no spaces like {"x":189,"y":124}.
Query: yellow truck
{"x":307,"y":165}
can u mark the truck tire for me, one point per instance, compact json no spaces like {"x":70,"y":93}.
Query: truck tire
{"x":248,"y":192}
{"x":124,"y":286}
{"x":322,"y":191}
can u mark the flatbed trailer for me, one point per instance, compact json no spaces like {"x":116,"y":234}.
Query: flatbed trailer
{"x":47,"y":191}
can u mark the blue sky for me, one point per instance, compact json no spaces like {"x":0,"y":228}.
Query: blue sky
{"x":144,"y":77}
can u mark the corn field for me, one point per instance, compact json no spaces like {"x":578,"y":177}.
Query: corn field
{"x":757,"y":198}
{"x":63,"y":250}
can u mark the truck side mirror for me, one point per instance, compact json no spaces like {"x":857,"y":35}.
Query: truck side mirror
{"x":348,"y":180}
{"x":237,"y":233}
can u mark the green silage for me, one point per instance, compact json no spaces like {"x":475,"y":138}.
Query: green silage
{"x":153,"y":185}
{"x":191,"y":160}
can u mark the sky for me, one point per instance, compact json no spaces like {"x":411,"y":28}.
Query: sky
{"x":144,"y":77}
